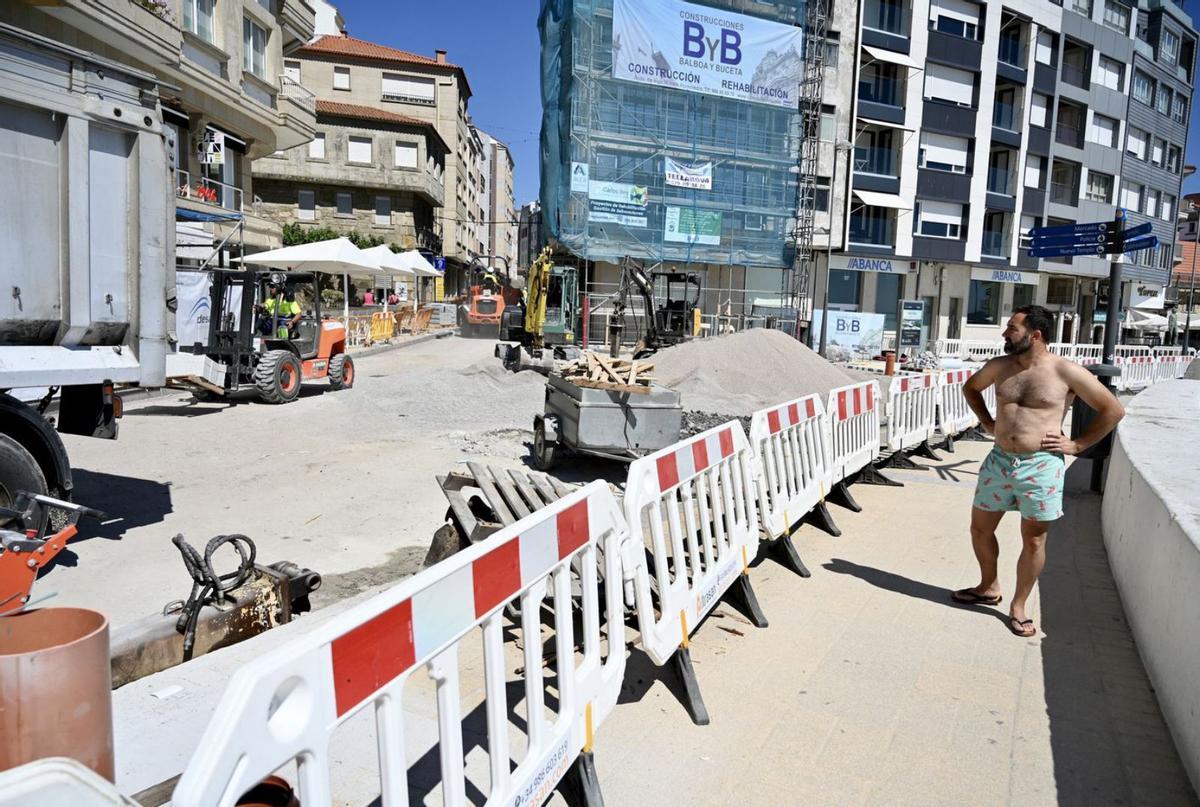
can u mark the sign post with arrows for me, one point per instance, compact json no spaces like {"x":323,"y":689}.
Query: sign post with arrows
{"x":1101,"y":238}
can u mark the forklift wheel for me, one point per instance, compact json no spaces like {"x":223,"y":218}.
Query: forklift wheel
{"x":341,"y":372}
{"x":277,"y":376}
{"x":543,"y":449}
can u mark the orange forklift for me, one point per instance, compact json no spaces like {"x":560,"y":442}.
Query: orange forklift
{"x":482,"y":308}
{"x":267,"y":332}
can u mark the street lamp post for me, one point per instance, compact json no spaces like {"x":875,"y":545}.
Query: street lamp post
{"x":839,"y":146}
{"x":1188,"y":170}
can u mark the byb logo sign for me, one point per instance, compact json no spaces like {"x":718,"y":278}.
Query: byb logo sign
{"x":698,"y":45}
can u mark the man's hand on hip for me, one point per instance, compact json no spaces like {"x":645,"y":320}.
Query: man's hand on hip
{"x":1060,"y":444}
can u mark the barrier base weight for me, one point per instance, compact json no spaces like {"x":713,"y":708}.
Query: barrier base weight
{"x":741,"y":596}
{"x":899,"y":459}
{"x":785,"y":553}
{"x":948,"y":444}
{"x":819,"y":517}
{"x":693,"y":700}
{"x":840,"y":494}
{"x":925,"y":450}
{"x":870,"y":475}
{"x":975,"y":434}
{"x":580,"y":786}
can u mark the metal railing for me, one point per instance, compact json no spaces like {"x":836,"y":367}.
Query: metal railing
{"x":298,"y":94}
{"x":209,"y":191}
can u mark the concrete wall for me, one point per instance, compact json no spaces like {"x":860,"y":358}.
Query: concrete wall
{"x":1151,"y":523}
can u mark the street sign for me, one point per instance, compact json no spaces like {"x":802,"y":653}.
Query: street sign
{"x":1095,"y":228}
{"x":1149,"y":242}
{"x":1140,"y":230}
{"x":1069,"y":240}
{"x":1066,"y":251}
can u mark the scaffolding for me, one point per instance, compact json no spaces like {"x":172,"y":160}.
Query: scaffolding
{"x":797,"y":281}
{"x":623,"y":132}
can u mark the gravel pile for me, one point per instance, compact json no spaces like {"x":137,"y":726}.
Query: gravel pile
{"x":741,"y":372}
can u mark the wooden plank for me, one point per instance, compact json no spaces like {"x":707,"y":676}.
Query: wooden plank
{"x":633,"y":371}
{"x":509,"y":492}
{"x":611,"y":386}
{"x":484,"y":481}
{"x":542,"y":483}
{"x":526,"y":489}
{"x":561,"y":488}
{"x":610,"y":370}
{"x":458,"y":505}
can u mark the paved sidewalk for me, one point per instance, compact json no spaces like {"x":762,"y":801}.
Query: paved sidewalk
{"x":869,"y":687}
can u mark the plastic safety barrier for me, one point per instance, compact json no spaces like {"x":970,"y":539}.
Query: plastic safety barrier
{"x":692,"y":508}
{"x":954,"y":415}
{"x":989,"y":399}
{"x":854,"y":416}
{"x":285,"y":705}
{"x":1137,"y":372}
{"x":911,"y":411}
{"x":383,"y":326}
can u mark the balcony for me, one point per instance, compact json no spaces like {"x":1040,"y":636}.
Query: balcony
{"x":297,"y":19}
{"x":1001,"y":181}
{"x":881,"y":162}
{"x":995,"y":244}
{"x":875,"y":230}
{"x":1074,"y":74}
{"x":1011,"y":52}
{"x":1068,"y":134}
{"x":297,"y":112}
{"x":129,"y":27}
{"x":208,"y":192}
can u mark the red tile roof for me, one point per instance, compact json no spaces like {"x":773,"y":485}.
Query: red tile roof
{"x":360,"y":112}
{"x":349,"y":46}
{"x":1183,"y":270}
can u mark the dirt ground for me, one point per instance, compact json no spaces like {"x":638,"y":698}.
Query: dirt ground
{"x":341,"y":482}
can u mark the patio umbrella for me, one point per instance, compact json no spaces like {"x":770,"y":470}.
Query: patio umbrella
{"x":419,"y":266}
{"x":336,"y":256}
{"x":1145,"y":321}
{"x":390,"y":262}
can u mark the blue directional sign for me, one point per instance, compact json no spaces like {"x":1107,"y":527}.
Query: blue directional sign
{"x":1069,"y":240}
{"x":1095,"y":228}
{"x":1140,"y":230}
{"x":1141,"y":243}
{"x":1067,"y":250}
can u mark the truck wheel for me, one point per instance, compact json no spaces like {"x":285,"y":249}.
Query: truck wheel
{"x":543,"y":449}
{"x":341,"y":372}
{"x":277,"y":376}
{"x":19,"y":472}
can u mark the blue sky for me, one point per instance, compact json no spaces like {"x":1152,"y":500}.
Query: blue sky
{"x":496,"y":41}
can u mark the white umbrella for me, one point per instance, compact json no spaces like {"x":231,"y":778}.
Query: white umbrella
{"x":389,"y":262}
{"x":418,"y":264}
{"x":1144,"y":321}
{"x":336,"y":256}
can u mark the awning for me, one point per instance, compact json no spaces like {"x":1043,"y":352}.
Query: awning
{"x":876,"y":199}
{"x":860,"y":120}
{"x":186,"y":214}
{"x":884,"y":55}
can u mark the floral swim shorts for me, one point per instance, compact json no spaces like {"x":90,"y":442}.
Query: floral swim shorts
{"x":1030,"y":483}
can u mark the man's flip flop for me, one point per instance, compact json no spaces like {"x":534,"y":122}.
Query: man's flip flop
{"x":967,"y":597}
{"x":1019,"y":627}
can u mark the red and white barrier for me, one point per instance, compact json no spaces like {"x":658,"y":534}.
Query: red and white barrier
{"x":854,"y":418}
{"x":692,"y":505}
{"x":954,"y":415}
{"x":989,"y":400}
{"x":911,"y":411}
{"x":1137,"y":372}
{"x":791,"y":442}
{"x":285,"y":705}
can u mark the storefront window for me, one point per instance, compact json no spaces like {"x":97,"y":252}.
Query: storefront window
{"x":887,"y":298}
{"x":983,"y":306}
{"x":1022,"y":295}
{"x":845,"y":290}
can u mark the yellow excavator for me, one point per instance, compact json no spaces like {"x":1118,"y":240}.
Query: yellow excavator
{"x":543,"y":323}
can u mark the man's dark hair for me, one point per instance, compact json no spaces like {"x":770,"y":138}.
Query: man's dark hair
{"x":1038,"y":318}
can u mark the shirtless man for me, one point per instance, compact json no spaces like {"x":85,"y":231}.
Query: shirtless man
{"x":1025,"y":469}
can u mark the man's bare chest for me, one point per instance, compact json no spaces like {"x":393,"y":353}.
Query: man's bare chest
{"x":1032,"y":389}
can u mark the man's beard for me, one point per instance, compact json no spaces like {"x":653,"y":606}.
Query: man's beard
{"x":1015,"y":348}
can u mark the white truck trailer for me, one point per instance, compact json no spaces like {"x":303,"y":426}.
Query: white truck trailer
{"x":86,"y":250}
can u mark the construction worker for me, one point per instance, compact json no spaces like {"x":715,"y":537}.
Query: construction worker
{"x":284,"y":321}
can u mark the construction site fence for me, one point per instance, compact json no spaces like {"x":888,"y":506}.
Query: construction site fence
{"x":694,"y":515}
{"x":380,"y":326}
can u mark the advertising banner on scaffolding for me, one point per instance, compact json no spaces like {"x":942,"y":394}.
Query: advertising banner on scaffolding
{"x":617,"y":203}
{"x":686,"y":175}
{"x":852,"y":331}
{"x":685,"y":225}
{"x":689,"y":47}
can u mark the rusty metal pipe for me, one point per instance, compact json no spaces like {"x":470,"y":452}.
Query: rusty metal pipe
{"x":55,"y":689}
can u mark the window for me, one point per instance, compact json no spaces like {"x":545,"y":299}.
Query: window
{"x":1167,"y":212}
{"x":887,"y":297}
{"x":880,"y":83}
{"x":872,"y":225}
{"x":938,"y":219}
{"x":1044,"y":50}
{"x":822,"y":196}
{"x":1135,"y":142}
{"x":1143,"y":87}
{"x":845,"y":289}
{"x":1035,"y":171}
{"x":254,"y":48}
{"x":1083,"y":7}
{"x":943,"y":152}
{"x":1099,"y":187}
{"x":983,"y":305}
{"x":1179,"y":109}
{"x":1037,"y":110}
{"x":831,"y":53}
{"x":995,"y":234}
{"x":1103,"y":130}
{"x":1162,"y":101}
{"x":874,"y":153}
{"x":1004,"y":109}
{"x":884,"y":15}
{"x":1060,"y":291}
{"x":954,"y":17}
{"x":316,"y":147}
{"x":1152,"y":197}
{"x":828,"y":127}
{"x":1023,"y":295}
{"x":949,"y":84}
{"x":291,"y":69}
{"x":1158,"y":151}
{"x":406,"y":154}
{"x":345,"y":206}
{"x":1168,"y":46}
{"x":306,"y":202}
{"x":198,"y":18}
{"x":417,"y":89}
{"x":1110,"y":73}
{"x":383,"y":211}
{"x":360,"y":150}
{"x":1116,"y":16}
{"x":1173,"y":155}
{"x":341,"y":78}
{"x":1131,"y":196}
{"x":1000,"y":177}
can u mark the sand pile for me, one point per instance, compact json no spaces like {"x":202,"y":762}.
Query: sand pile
{"x":739,"y":373}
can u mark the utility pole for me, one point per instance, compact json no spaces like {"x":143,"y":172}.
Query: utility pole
{"x":839,"y":146}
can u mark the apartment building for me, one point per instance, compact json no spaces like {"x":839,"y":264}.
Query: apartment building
{"x":972,"y":122}
{"x":368,"y":169}
{"x":226,"y":98}
{"x":499,"y":214}
{"x":529,"y":233}
{"x":427,"y":89}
